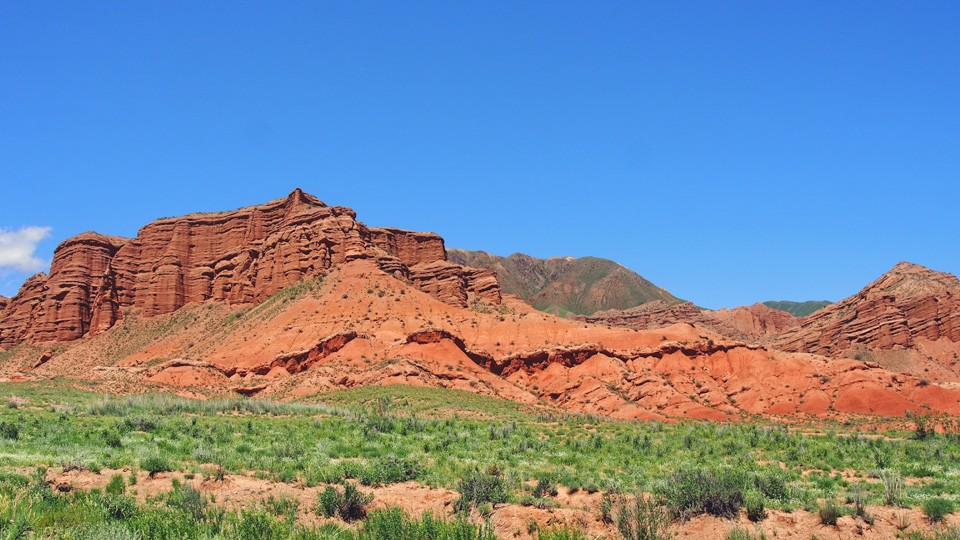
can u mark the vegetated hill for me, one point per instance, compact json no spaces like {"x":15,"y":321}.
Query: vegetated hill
{"x":908,"y":320}
{"x":565,"y":285}
{"x":798,"y":309}
{"x":293,"y":298}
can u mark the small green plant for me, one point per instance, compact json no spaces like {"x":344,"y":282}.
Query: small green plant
{"x":937,"y":508}
{"x":115,"y":486}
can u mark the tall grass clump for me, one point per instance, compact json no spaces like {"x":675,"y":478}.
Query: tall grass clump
{"x":640,"y":518}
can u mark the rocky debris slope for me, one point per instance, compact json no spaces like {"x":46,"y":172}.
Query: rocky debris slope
{"x":753,"y":323}
{"x":235,"y":257}
{"x":566,"y":285}
{"x":907,"y":304}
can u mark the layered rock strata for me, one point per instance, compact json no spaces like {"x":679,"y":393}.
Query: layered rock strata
{"x":235,"y":257}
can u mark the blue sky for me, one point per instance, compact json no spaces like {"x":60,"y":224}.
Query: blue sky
{"x":729,"y":151}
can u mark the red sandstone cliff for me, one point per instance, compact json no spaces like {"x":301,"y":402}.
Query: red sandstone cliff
{"x":908,"y":303}
{"x":239,"y":256}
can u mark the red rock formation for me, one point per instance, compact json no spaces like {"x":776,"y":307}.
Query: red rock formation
{"x":757,"y":321}
{"x":907,"y":303}
{"x":3,"y":302}
{"x":239,"y":256}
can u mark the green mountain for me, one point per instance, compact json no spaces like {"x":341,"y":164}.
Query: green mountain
{"x":798,"y":309}
{"x":566,"y":285}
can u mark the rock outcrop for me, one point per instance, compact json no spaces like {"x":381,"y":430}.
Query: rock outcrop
{"x":908,"y":303}
{"x":755,"y":322}
{"x":235,"y":257}
{"x":3,"y":302}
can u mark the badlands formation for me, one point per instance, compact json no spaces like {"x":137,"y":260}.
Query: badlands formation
{"x":294,"y":297}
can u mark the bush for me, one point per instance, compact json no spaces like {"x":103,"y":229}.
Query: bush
{"x":481,"y":487}
{"x":937,"y":508}
{"x":892,"y":486}
{"x":9,"y":430}
{"x":641,"y":519}
{"x":754,"y":501}
{"x":544,"y":488}
{"x":156,"y":463}
{"x":389,"y":470}
{"x":829,"y":513}
{"x":188,"y":500}
{"x":696,"y":490}
{"x":349,"y":505}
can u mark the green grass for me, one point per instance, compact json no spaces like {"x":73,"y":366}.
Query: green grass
{"x":489,"y":450}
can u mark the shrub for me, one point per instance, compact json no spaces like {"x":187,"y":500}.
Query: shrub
{"x":349,"y":505}
{"x":892,"y":486}
{"x":544,"y":487}
{"x":9,"y":430}
{"x":641,"y":519}
{"x":697,"y":490}
{"x":389,"y":470}
{"x":481,"y":487}
{"x":829,"y":513}
{"x":156,"y":463}
{"x":187,"y":499}
{"x":118,"y":506}
{"x":937,"y":508}
{"x":754,"y":502}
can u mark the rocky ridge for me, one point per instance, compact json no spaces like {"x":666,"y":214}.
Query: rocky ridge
{"x":241,"y":256}
{"x":907,"y":304}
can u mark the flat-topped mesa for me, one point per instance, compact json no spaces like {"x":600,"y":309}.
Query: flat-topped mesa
{"x":907,"y":303}
{"x":240,"y":256}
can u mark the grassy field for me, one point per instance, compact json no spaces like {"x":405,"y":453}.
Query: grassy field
{"x":489,"y":451}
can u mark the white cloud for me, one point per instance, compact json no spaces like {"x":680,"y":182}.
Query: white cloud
{"x":18,"y":248}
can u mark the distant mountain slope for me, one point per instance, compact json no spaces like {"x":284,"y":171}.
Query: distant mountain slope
{"x":566,"y":285}
{"x":798,"y":309}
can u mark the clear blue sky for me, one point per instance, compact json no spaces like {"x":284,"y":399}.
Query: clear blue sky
{"x":729,"y":151}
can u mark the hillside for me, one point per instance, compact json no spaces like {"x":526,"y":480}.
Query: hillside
{"x":798,"y":309}
{"x":292,"y":298}
{"x":567,"y":286}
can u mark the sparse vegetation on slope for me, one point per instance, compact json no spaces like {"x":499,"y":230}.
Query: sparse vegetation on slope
{"x":798,"y":309}
{"x":566,"y":285}
{"x":346,"y":446}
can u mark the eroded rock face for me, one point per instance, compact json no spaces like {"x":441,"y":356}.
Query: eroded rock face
{"x":907,"y":303}
{"x":756,"y":322}
{"x":236,"y":257}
